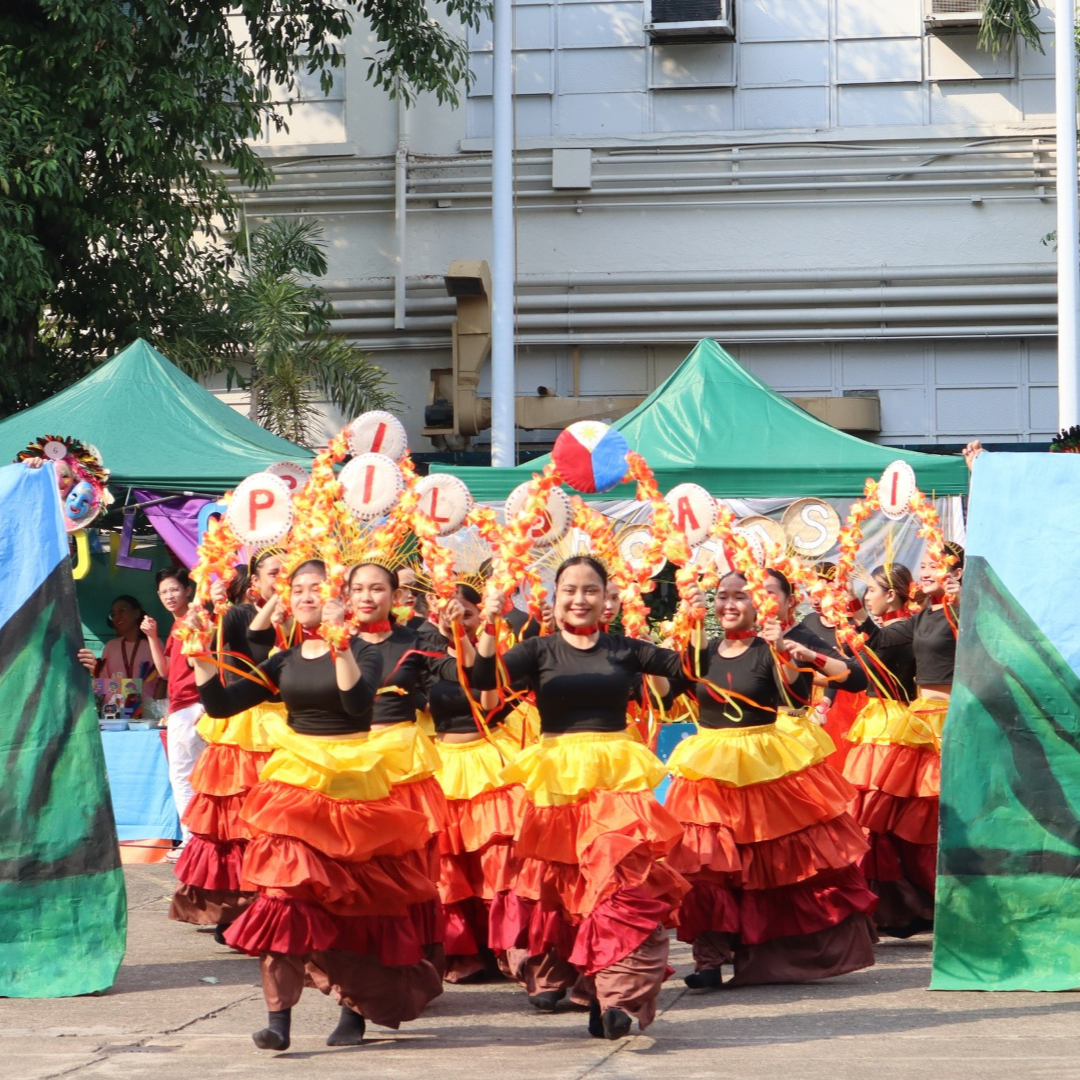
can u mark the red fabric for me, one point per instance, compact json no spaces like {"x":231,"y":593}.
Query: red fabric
{"x":182,"y":689}
{"x":845,"y":708}
{"x":914,"y":820}
{"x":279,"y":925}
{"x":479,"y":874}
{"x":615,"y":928}
{"x":893,"y":859}
{"x":211,"y":864}
{"x":709,"y":907}
{"x":824,"y":900}
{"x":466,"y":928}
{"x":429,"y":922}
{"x":424,"y":797}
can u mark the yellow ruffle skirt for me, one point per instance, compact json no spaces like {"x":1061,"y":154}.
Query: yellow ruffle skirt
{"x":564,"y":769}
{"x":248,"y":729}
{"x":408,"y":753}
{"x":892,"y":723}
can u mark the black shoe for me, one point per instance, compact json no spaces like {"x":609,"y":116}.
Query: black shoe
{"x":275,"y":1036}
{"x":349,"y":1031}
{"x":616,"y":1024}
{"x":547,"y":1001}
{"x":705,"y":979}
{"x":219,"y":933}
{"x":596,"y":1023}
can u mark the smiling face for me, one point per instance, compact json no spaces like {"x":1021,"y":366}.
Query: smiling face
{"x":125,"y":618}
{"x":579,"y":596}
{"x":371,"y":594}
{"x":305,"y":596}
{"x":174,"y":596}
{"x":733,"y":606}
{"x":470,"y":613}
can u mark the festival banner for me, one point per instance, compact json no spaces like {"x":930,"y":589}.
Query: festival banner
{"x":63,"y":915}
{"x":1008,"y":890}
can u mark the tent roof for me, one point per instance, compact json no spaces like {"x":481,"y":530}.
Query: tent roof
{"x":155,"y":427}
{"x":711,"y":422}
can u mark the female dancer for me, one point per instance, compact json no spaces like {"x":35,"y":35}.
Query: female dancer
{"x":592,"y":898}
{"x":333,"y":852}
{"x":897,"y":760}
{"x":476,"y":849}
{"x":409,"y":755}
{"x":210,"y":890}
{"x":768,"y":844}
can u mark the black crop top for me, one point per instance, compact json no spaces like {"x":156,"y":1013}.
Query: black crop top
{"x":929,"y":635}
{"x":309,"y":689}
{"x":752,"y":674}
{"x":449,"y":705}
{"x":581,"y":689}
{"x":814,"y":634}
{"x":405,"y":667}
{"x":234,"y":639}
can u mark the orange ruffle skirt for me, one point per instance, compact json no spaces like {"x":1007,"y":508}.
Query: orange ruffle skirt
{"x":766,"y":838}
{"x":332,"y":872}
{"x":591,"y":883}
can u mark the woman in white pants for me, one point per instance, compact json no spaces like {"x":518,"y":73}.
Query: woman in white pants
{"x":183,"y":741}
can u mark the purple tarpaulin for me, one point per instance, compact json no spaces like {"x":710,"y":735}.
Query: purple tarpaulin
{"x":176,"y":522}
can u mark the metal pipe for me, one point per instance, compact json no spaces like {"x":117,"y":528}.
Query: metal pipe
{"x":401,"y":181}
{"x":504,"y":252}
{"x":399,"y":344}
{"x":1068,"y":217}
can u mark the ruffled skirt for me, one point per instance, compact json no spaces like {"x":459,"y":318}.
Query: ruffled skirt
{"x":339,"y":861}
{"x":771,"y":853}
{"x":895,"y":766}
{"x":476,"y":849}
{"x":210,"y":892}
{"x":591,"y":884}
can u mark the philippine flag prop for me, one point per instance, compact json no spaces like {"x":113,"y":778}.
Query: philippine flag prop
{"x":590,"y":456}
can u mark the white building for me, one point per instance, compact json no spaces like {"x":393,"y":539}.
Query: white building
{"x":849,"y":201}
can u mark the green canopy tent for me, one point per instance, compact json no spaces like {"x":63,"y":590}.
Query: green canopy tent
{"x":712,"y":423}
{"x":155,"y":427}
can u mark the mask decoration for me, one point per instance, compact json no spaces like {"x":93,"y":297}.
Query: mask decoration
{"x":81,"y":477}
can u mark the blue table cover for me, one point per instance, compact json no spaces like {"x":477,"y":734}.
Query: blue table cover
{"x":138,"y":774}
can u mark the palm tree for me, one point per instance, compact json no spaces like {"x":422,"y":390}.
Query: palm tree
{"x":269,"y":331}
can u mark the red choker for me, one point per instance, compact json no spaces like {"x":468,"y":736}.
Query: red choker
{"x":787,"y":625}
{"x":892,"y":616}
{"x":739,"y":635}
{"x":582,"y":631}
{"x":383,"y":626}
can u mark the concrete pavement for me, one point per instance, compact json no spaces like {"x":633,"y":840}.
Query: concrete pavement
{"x":184,"y":1007}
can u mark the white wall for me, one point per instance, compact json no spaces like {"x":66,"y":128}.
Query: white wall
{"x":833,"y":146}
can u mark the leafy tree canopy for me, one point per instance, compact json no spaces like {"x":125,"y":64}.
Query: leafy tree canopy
{"x":112,"y":113}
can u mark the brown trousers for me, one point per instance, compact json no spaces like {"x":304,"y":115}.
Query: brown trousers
{"x":387,"y":996}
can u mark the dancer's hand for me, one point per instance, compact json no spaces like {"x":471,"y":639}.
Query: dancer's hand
{"x":219,"y":592}
{"x":149,"y":626}
{"x":771,"y":631}
{"x":695,"y":597}
{"x":971,"y":452}
{"x":333,"y":612}
{"x":494,"y":602}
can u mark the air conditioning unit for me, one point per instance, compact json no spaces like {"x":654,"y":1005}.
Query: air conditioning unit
{"x":945,"y":15}
{"x":690,"y":20}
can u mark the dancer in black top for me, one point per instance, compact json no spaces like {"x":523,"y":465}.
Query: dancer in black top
{"x":897,"y":760}
{"x":768,"y":844}
{"x":599,"y":908}
{"x":333,"y":851}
